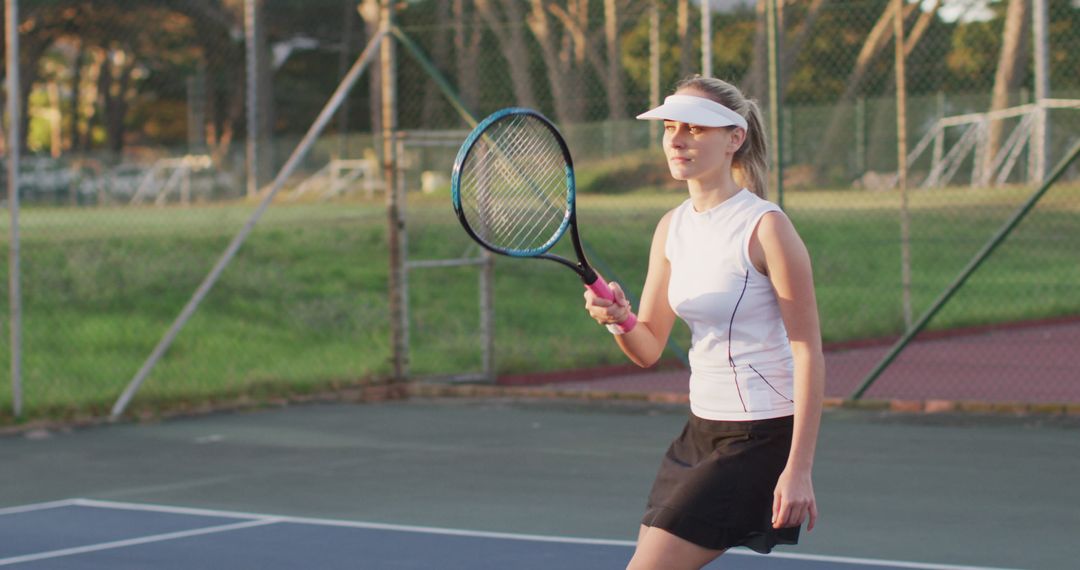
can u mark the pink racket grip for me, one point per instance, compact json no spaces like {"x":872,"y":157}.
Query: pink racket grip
{"x":604,"y":292}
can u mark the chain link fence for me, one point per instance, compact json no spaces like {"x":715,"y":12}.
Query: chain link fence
{"x":137,"y":119}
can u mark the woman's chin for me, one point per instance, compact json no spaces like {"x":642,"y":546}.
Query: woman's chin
{"x":678,"y":174}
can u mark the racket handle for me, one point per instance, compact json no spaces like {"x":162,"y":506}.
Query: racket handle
{"x":604,"y":292}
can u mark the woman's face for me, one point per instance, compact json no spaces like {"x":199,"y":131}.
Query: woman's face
{"x":699,"y":153}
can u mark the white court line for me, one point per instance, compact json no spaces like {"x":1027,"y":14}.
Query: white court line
{"x":38,"y":507}
{"x":505,"y":536}
{"x":133,"y":541}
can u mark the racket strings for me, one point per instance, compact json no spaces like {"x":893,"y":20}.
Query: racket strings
{"x":526,"y":194}
{"x":514,"y":190}
{"x":535,"y":211}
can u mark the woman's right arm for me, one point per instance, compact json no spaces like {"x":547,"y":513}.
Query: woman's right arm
{"x":645,"y":343}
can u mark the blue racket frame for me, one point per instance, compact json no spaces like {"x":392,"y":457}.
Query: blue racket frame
{"x":581,"y":267}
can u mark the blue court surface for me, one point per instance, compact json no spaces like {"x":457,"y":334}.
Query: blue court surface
{"x":92,"y":534}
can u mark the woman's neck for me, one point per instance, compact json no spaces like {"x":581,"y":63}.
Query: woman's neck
{"x":708,"y":194}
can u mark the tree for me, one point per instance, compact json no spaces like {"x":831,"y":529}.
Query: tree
{"x":754,"y":83}
{"x":874,"y":44}
{"x":503,"y":21}
{"x":613,"y":74}
{"x":1011,"y":63}
{"x":685,"y":42}
{"x":563,"y":51}
{"x":611,"y":70}
{"x":122,"y":58}
{"x":43,"y":24}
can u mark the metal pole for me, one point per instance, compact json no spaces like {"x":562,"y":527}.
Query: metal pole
{"x":901,"y":161}
{"x":395,"y":220}
{"x":487,"y":315}
{"x":706,"y":39}
{"x":399,"y":200}
{"x":1039,"y":149}
{"x":860,"y":136}
{"x":298,"y":155}
{"x":252,"y":58}
{"x":654,"y":68}
{"x":11,"y":31}
{"x":773,"y":32}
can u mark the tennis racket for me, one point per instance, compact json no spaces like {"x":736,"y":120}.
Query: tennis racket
{"x":513,"y":192}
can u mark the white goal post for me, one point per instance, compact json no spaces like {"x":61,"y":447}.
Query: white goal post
{"x":1029,"y":132}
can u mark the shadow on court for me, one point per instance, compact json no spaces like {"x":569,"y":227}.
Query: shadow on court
{"x":503,"y":484}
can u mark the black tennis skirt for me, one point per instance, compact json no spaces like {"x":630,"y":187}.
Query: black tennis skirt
{"x":716,"y":482}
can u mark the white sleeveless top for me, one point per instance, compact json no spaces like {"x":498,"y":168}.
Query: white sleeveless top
{"x":740,"y":359}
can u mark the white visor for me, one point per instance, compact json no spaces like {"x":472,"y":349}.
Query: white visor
{"x":694,"y":110}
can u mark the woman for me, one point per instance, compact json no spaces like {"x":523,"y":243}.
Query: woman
{"x":732,"y":266}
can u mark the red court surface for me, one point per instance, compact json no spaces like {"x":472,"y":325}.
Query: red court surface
{"x":1035,"y":363}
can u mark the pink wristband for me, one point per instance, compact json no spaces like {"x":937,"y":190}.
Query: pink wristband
{"x":623,"y":327}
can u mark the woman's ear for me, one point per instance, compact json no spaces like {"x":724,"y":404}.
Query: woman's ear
{"x":738,"y":137}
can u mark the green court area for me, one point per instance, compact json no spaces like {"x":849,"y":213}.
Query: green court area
{"x":304,"y":306}
{"x":930,"y":489}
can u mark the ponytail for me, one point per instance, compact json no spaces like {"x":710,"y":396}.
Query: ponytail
{"x":751,"y":161}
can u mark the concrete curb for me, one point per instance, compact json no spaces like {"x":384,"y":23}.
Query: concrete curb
{"x":422,"y":390}
{"x":381,"y":391}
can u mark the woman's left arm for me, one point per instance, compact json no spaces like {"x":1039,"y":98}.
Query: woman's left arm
{"x":777,"y":250}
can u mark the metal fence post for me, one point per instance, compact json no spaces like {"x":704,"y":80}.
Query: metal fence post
{"x":252,"y":62}
{"x":487,"y":316}
{"x":14,"y":277}
{"x":706,"y":39}
{"x":901,"y":161}
{"x":654,"y":68}
{"x":395,"y":220}
{"x":1039,"y":147}
{"x":773,"y":26}
{"x":398,"y":203}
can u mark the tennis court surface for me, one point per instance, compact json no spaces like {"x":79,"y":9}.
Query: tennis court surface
{"x":80,"y":534}
{"x":512,"y":484}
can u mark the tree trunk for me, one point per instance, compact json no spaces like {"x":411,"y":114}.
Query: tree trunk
{"x":226,"y":121}
{"x":369,"y":11}
{"x":264,"y":81}
{"x":103,"y":98}
{"x":467,"y":38}
{"x":795,"y":47}
{"x":686,"y":55}
{"x":116,"y":110}
{"x":1009,"y":71}
{"x":511,"y":40}
{"x":616,"y":96}
{"x":574,"y":55}
{"x":558,"y":64}
{"x":76,"y":96}
{"x":433,"y":107}
{"x":345,"y":60}
{"x":602,"y":66}
{"x":754,"y":83}
{"x":884,"y":113}
{"x":875,"y":43}
{"x":29,"y":56}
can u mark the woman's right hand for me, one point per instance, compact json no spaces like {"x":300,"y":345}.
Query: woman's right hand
{"x":605,"y":311}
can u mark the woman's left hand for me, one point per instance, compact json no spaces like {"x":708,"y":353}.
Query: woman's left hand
{"x":793,"y":500}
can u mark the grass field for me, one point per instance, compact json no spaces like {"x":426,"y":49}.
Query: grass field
{"x":304,"y":305}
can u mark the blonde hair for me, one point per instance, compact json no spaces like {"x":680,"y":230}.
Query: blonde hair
{"x":750,"y":164}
